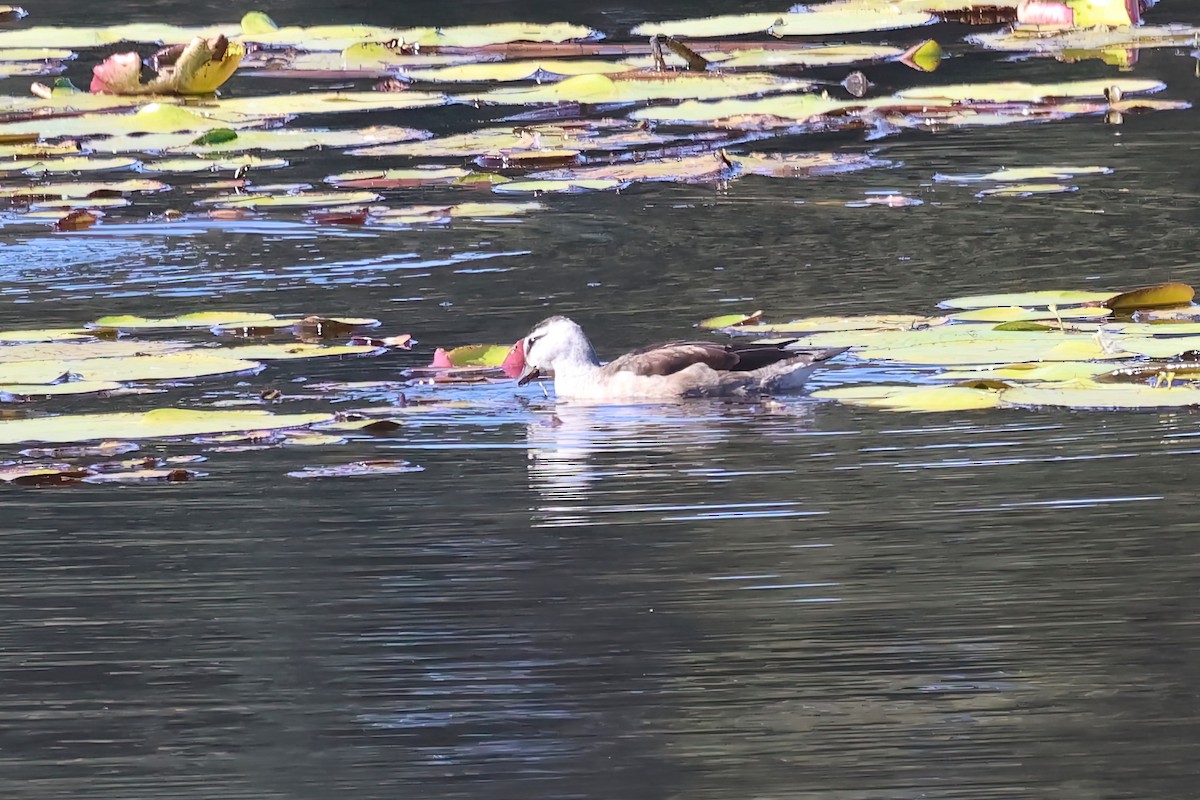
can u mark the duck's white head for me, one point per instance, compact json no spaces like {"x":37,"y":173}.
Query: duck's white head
{"x":555,"y":343}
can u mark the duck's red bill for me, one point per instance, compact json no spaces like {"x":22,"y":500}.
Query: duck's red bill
{"x":514,"y":363}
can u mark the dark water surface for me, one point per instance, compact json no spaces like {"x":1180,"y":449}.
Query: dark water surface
{"x":795,"y":600}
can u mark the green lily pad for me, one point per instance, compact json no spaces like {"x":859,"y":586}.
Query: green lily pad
{"x":639,"y":88}
{"x":160,"y":423}
{"x":199,"y":319}
{"x":913,"y":398}
{"x":1038,"y":299}
{"x":557,"y":186}
{"x":817,"y":22}
{"x":274,"y":352}
{"x":1091,"y":395}
{"x":294,"y":200}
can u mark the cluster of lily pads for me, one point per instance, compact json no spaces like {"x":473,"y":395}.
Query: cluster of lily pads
{"x":1072,"y":349}
{"x":684,"y":101}
{"x":125,"y":356}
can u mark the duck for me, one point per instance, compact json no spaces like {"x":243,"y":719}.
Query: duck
{"x":668,"y":371}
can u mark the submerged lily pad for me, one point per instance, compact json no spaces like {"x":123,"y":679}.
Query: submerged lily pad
{"x":357,"y":469}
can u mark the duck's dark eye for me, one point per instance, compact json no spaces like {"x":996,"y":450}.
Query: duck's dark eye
{"x":529,"y":340}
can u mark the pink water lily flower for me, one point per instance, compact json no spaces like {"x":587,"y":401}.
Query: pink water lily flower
{"x":120,"y":73}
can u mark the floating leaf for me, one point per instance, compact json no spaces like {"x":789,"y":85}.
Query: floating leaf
{"x":160,"y":423}
{"x":44,"y":335}
{"x":1026,"y":190}
{"x":704,"y":167}
{"x":1150,"y":347}
{"x":150,"y":118}
{"x":1161,"y":295}
{"x":1031,"y":347}
{"x":106,"y":449}
{"x":25,"y":391}
{"x":506,"y":71}
{"x":84,"y":37}
{"x":256,"y":23}
{"x":42,"y":474}
{"x":39,"y":149}
{"x":1041,"y":299}
{"x":1165,"y":327}
{"x":818,"y":22}
{"x":1018,"y":314}
{"x":557,"y":186}
{"x":199,"y":319}
{"x":795,"y":165}
{"x":913,"y":398}
{"x":788,"y":109}
{"x":639,"y":88}
{"x":72,"y":350}
{"x":177,"y":475}
{"x":324,"y":103}
{"x":396,"y":178}
{"x":357,"y":469}
{"x":925,"y":56}
{"x":54,"y":166}
{"x":871,"y":322}
{"x":1024,"y":174}
{"x":473,"y":355}
{"x":78,"y":190}
{"x":1044,"y":42}
{"x":1088,"y":394}
{"x":731,"y":320}
{"x":1019,"y":92}
{"x":1035,"y":372}
{"x":295,"y":200}
{"x":274,"y":352}
{"x":176,"y":366}
{"x":813,"y":56}
{"x":213,"y":164}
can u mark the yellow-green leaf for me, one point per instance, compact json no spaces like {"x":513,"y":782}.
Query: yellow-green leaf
{"x":1038,"y":299}
{"x":731,"y":320}
{"x":1158,"y":296}
{"x":199,"y":319}
{"x":816,"y":22}
{"x":1088,"y":394}
{"x":913,"y":398}
{"x":275,"y":352}
{"x":634,"y":89}
{"x":163,"y":422}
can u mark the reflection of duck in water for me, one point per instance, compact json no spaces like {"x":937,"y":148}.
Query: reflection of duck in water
{"x":662,"y":372}
{"x":603,"y":464}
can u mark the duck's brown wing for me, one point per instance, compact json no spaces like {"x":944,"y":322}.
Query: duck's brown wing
{"x":671,"y":357}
